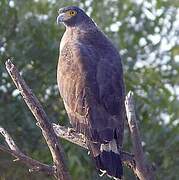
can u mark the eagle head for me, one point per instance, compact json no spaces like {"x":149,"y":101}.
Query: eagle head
{"x":72,"y":16}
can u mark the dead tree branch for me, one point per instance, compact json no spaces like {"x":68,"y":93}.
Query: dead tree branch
{"x":51,"y":131}
{"x":142,"y":170}
{"x":34,"y":105}
{"x":34,"y":165}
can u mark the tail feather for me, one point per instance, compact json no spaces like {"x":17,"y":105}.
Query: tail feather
{"x":111,"y":163}
{"x":108,"y":159}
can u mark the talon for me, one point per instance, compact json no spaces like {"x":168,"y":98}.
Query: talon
{"x":70,"y":130}
{"x":82,"y":136}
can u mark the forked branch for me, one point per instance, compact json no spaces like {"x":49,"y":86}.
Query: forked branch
{"x":34,"y":105}
{"x":34,"y":165}
{"x":51,"y":131}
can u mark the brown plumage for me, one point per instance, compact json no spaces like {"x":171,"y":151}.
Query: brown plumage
{"x":90,"y":80}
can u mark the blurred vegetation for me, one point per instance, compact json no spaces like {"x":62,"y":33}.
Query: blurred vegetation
{"x":146,"y":32}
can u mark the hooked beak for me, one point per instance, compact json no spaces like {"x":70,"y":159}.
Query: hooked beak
{"x":61,"y":18}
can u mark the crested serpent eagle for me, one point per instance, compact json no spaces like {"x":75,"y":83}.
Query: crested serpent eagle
{"x":90,"y":81}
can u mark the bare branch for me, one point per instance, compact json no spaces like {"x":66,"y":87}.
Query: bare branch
{"x":50,"y":133}
{"x":78,"y":139}
{"x":142,"y":170}
{"x":14,"y":151}
{"x":34,"y":105}
{"x":9,"y":140}
{"x":70,"y":135}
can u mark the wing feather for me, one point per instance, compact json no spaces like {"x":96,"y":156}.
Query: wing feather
{"x":91,"y":85}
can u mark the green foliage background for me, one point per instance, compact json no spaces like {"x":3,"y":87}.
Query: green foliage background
{"x":146,"y":33}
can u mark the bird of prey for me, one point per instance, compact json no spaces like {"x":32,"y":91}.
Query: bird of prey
{"x":90,"y":81}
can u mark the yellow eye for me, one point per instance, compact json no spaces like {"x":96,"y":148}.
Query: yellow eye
{"x":72,"y":13}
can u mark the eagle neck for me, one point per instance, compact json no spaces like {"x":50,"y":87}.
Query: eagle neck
{"x":80,"y":30}
{"x":86,"y":25}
